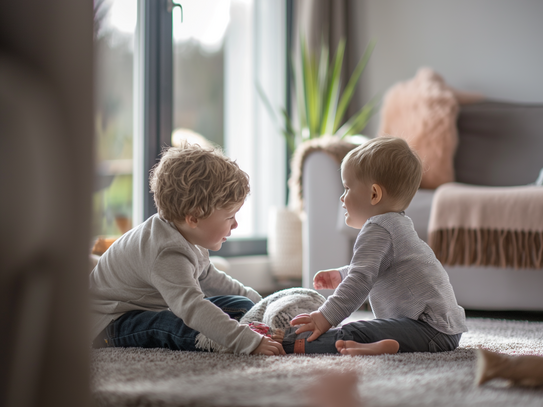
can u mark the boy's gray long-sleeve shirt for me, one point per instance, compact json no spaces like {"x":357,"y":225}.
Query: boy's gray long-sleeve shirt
{"x":401,"y":276}
{"x":153,"y":267}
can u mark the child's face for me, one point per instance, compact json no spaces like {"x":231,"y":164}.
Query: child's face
{"x":212,"y":232}
{"x":357,"y":199}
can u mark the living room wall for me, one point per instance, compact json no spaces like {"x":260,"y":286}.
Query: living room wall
{"x":487,"y":46}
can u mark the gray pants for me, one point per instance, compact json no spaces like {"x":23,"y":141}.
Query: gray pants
{"x":413,"y":336}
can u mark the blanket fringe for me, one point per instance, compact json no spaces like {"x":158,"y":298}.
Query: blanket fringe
{"x":487,"y":247}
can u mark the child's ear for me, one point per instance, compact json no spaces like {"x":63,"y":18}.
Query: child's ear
{"x":376,"y":194}
{"x":191,"y":221}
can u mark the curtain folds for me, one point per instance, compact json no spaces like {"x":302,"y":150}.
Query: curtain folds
{"x":329,"y":20}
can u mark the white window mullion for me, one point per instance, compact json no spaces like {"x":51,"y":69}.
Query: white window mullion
{"x":270,"y":152}
{"x":239,"y":102}
{"x":138,"y":181}
{"x":255,"y":51}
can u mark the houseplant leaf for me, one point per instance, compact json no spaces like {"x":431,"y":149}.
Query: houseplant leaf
{"x":319,"y":102}
{"x":310,"y":90}
{"x":332,"y":92}
{"x":358,"y":121}
{"x":351,"y":85}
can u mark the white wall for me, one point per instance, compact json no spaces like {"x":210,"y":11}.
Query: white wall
{"x":489,"y":46}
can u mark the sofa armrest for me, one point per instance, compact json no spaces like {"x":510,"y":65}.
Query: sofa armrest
{"x":324,"y":245}
{"x":419,"y":211}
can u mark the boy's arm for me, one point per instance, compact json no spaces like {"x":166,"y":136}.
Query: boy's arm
{"x":216,"y":282}
{"x":174,"y":276}
{"x":372,"y":253}
{"x":269,"y":347}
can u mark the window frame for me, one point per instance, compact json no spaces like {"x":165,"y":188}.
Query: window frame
{"x":153,"y":98}
{"x":153,"y":110}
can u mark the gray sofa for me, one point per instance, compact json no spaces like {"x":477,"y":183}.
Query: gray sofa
{"x":500,"y":144}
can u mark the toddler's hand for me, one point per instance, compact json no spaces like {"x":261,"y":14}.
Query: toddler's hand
{"x":268,"y":347}
{"x":326,"y":279}
{"x":315,"y":322}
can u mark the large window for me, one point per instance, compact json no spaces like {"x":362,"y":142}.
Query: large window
{"x":218,"y":53}
{"x":198,"y":69}
{"x":114,"y":48}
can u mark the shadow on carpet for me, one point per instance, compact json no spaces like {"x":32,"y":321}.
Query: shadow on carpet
{"x":160,"y":377}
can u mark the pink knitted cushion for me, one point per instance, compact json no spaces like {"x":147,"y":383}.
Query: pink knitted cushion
{"x":423,"y":111}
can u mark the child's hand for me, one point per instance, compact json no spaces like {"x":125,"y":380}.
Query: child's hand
{"x":268,"y":347}
{"x":326,"y":279}
{"x":315,"y":322}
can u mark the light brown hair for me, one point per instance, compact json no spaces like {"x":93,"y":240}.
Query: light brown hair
{"x":390,"y":163}
{"x":192,"y":180}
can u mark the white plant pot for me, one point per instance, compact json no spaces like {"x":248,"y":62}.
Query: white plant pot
{"x":285,"y":244}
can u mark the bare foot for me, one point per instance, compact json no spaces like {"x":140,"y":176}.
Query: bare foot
{"x":386,"y":346}
{"x":278,"y":335}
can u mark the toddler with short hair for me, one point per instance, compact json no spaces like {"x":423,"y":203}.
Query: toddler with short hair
{"x":155,"y":285}
{"x":409,"y":291}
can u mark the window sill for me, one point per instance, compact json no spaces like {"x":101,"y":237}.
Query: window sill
{"x":243,"y":247}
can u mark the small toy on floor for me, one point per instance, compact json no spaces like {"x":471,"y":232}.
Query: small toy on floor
{"x":521,"y":370}
{"x":272,"y":315}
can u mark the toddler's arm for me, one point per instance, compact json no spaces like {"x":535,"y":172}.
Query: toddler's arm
{"x":327,"y":279}
{"x":315,"y":322}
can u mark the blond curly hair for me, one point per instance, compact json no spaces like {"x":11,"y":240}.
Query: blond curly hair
{"x":389,"y":162}
{"x":194,"y":181}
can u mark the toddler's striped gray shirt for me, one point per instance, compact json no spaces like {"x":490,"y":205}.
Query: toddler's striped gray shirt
{"x":401,"y":276}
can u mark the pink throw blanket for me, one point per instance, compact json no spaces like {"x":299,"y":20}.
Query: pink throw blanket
{"x":488,"y":226}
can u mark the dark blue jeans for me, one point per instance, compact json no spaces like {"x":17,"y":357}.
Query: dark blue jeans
{"x":150,"y":329}
{"x":412,"y":335}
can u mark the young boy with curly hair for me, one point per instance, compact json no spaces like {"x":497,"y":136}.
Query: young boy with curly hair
{"x":408,"y":288}
{"x":155,"y":286}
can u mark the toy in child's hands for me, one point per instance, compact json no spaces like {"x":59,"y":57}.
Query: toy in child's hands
{"x":521,"y":370}
{"x":272,"y":315}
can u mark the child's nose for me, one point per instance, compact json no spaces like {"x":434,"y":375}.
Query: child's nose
{"x":235,"y":224}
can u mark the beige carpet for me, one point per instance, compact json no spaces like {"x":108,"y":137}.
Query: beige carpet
{"x":158,"y":377}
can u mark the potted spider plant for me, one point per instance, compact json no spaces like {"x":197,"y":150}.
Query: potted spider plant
{"x":320,"y":104}
{"x":320,"y":111}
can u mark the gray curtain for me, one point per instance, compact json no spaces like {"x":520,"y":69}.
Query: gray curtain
{"x":330,"y":20}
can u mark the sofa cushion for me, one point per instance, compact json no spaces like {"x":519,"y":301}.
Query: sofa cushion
{"x":423,"y":111}
{"x":500,"y":144}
